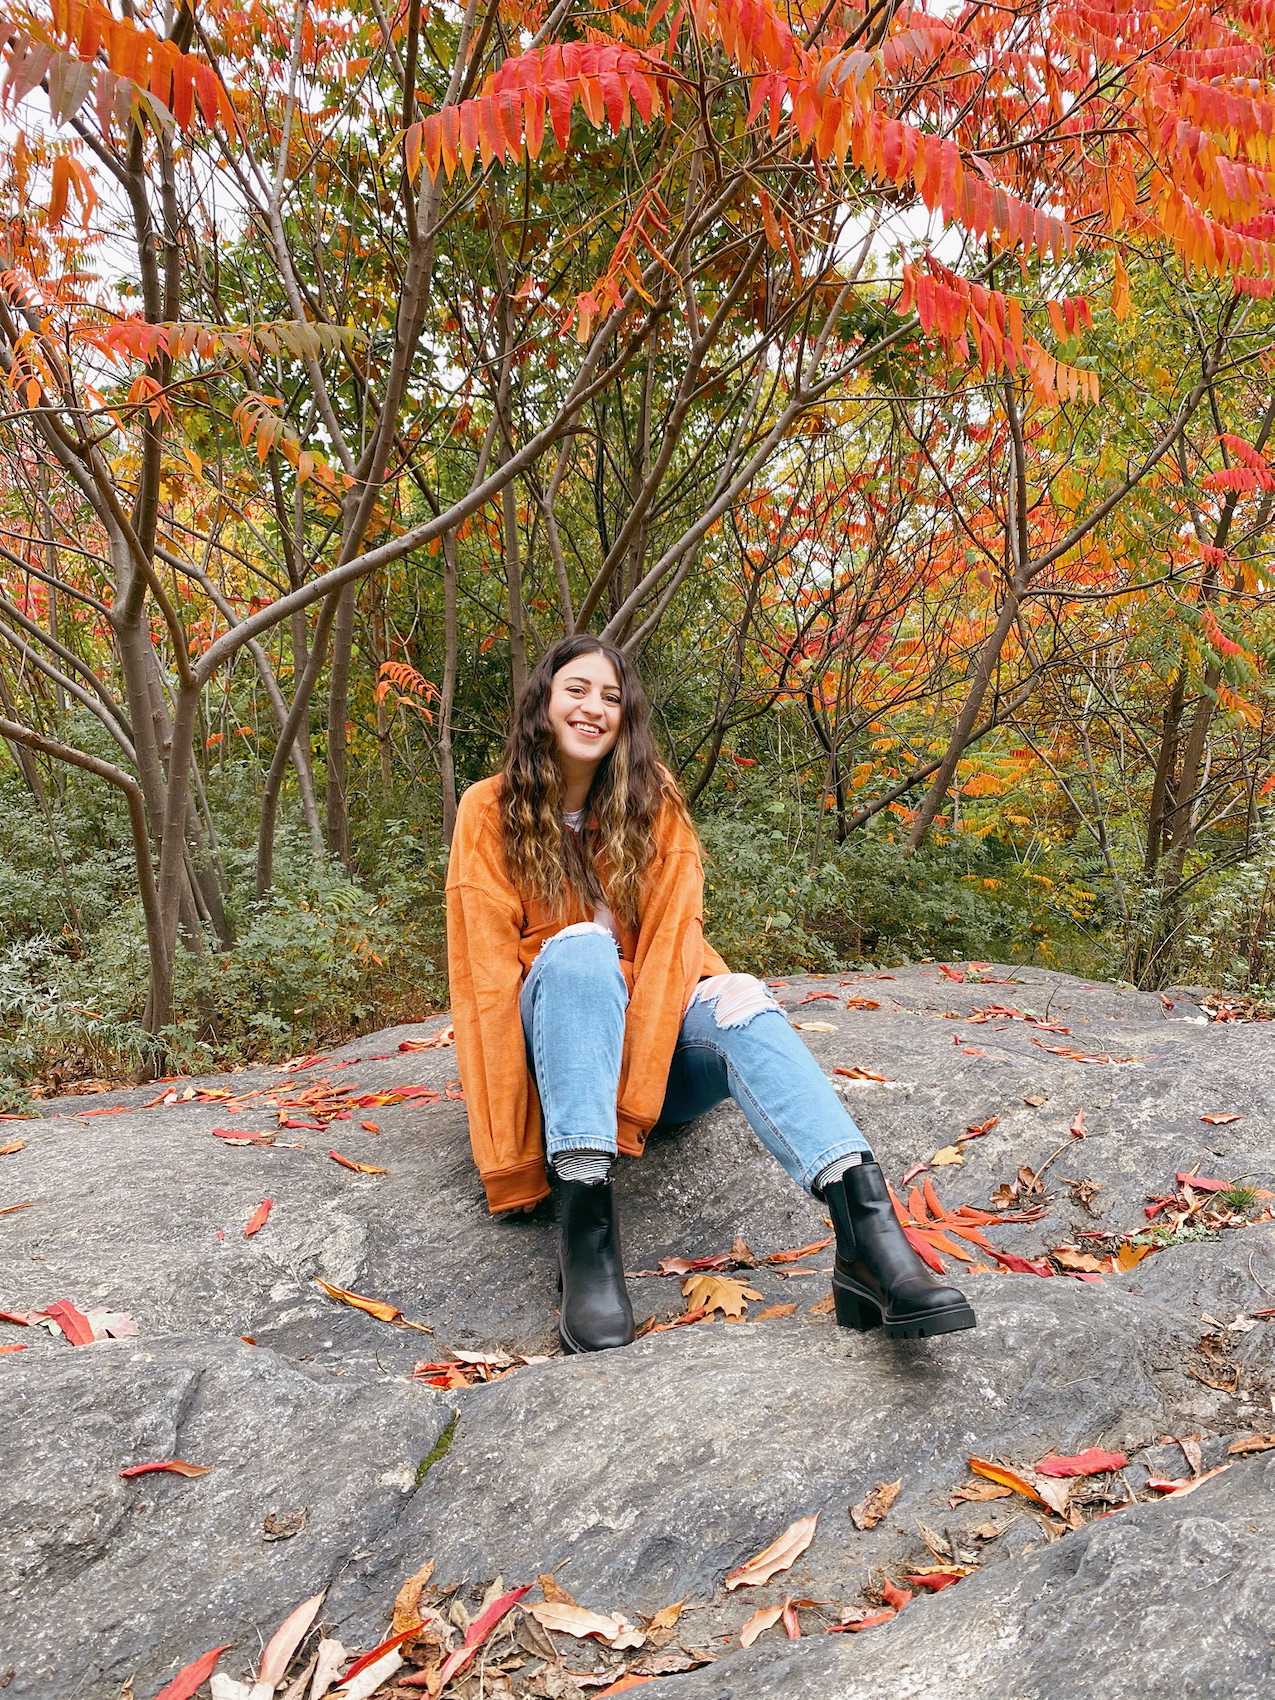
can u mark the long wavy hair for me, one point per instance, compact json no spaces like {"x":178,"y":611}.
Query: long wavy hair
{"x":629,"y":789}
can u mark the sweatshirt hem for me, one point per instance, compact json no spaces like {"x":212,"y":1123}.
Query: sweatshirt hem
{"x":516,"y":1188}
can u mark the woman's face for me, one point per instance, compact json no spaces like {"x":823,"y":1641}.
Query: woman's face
{"x":585,"y":710}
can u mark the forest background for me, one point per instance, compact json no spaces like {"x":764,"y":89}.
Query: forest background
{"x":895,"y":384}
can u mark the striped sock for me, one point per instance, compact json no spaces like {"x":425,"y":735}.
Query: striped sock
{"x":590,"y":1167}
{"x":834,"y":1172}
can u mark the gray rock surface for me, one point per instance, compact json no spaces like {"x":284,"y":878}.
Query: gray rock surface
{"x":642,"y":1477}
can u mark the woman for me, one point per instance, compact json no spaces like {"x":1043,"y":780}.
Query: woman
{"x":585,"y":995}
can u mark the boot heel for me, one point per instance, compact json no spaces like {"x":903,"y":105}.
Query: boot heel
{"x":854,"y":1312}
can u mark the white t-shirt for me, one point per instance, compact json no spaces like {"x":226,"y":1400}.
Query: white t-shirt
{"x":602,"y":915}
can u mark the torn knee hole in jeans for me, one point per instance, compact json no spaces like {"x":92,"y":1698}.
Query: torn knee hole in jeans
{"x":578,"y":929}
{"x":735,"y":998}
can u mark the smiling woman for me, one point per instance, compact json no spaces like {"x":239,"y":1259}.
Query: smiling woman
{"x":586,"y":998}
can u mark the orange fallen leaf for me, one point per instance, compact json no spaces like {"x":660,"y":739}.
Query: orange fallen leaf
{"x":1171,"y":1484}
{"x":893,"y":1595}
{"x":759,"y":1623}
{"x":824,"y":1307}
{"x":1220,"y":1118}
{"x":174,"y":1466}
{"x":631,"y":1680}
{"x":774,"y":1310}
{"x":977,"y":1493}
{"x":369,"y":1127}
{"x":15,"y":1348}
{"x":797,"y":1255}
{"x":1129,"y":1255}
{"x":1082,"y":1261}
{"x":779,"y":1555}
{"x":937,"y":1579}
{"x":1053,"y":1495}
{"x":359,"y":1168}
{"x":862,"y":1003}
{"x":1250,"y":1443}
{"x":374,"y":1307}
{"x":259,"y":1217}
{"x":718,"y":1292}
{"x":10,"y":1208}
{"x":12,"y":1146}
{"x":869,"y":1620}
{"x":873,"y":1507}
{"x":865,"y":1074}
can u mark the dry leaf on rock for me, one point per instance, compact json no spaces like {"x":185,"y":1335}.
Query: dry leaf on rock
{"x":894,"y":1596}
{"x":1253,"y":1443}
{"x":1170,"y":1484}
{"x":824,"y":1307}
{"x":1129,"y":1255}
{"x":408,"y":1598}
{"x":935,"y":1578}
{"x":374,"y":1307}
{"x":665,"y":1619}
{"x":190,"y":1678}
{"x":580,"y":1622}
{"x":862,"y":1003}
{"x":554,"y":1592}
{"x":74,"y":1325}
{"x":1220,"y":1118}
{"x":327,"y":1662}
{"x":1051,"y":1494}
{"x":815,"y":1026}
{"x":359,"y":1168}
{"x":759,"y":1623}
{"x":363,"y":1680}
{"x":950,"y":1154}
{"x":259,"y":1217}
{"x":1083,"y":1262}
{"x":282,"y":1526}
{"x":863,"y":1620}
{"x":872,"y":1508}
{"x":1035,"y":1099}
{"x":779,"y":1555}
{"x":977,"y":1493}
{"x":12,"y":1146}
{"x":174,"y":1467}
{"x":774,"y":1310}
{"x":283,"y":1644}
{"x":718,"y":1292}
{"x":796,"y":1255}
{"x":1090,"y":1463}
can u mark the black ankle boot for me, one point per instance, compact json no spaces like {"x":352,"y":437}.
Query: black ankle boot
{"x":877,"y":1277}
{"x":595,"y":1312}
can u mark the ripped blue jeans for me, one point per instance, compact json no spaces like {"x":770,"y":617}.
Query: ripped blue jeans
{"x":735,"y":1042}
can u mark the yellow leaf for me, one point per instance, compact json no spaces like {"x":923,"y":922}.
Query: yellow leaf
{"x":374,"y":1307}
{"x":949,"y":1154}
{"x":718,"y":1292}
{"x":1050,"y":1492}
{"x":779,"y":1555}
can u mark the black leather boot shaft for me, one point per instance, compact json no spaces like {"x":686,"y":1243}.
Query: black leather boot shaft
{"x":595,"y":1313}
{"x":877,"y":1277}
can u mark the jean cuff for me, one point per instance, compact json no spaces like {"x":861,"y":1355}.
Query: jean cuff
{"x":555,"y":1144}
{"x":847,"y":1148}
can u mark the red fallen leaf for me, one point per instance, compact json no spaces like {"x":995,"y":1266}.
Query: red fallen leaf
{"x":868,"y":1622}
{"x":1073,"y":1055}
{"x":864,"y":1074}
{"x":1172,"y":1484}
{"x":956,"y":974}
{"x":1078,"y":1124}
{"x":369,"y":1127}
{"x":193,"y":1676}
{"x":792,"y":1628}
{"x":108,"y":1110}
{"x":925,"y":1250}
{"x":1090,"y":1463}
{"x":379,"y":1652}
{"x":1200,"y":1184}
{"x":631,"y":1680}
{"x":306,"y":1127}
{"x":1019,"y":1265}
{"x":174,"y":1466}
{"x":893,"y":1595}
{"x":976,"y":1130}
{"x":936,"y":1580}
{"x":28,"y":1318}
{"x":73,"y":1323}
{"x":813,"y":997}
{"x":241,"y":1136}
{"x":475,"y":1635}
{"x":801,"y":1251}
{"x":257,"y":1221}
{"x":912,"y":1173}
{"x":21,"y":1347}
{"x":1221,"y":1118}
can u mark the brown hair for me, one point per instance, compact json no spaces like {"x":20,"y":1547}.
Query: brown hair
{"x":629,"y":789}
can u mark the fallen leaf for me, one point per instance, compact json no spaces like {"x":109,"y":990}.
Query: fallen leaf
{"x":408,"y":1598}
{"x":1170,"y":1484}
{"x":799,"y":1253}
{"x":21,"y":1347}
{"x":815,"y":1026}
{"x":759,"y":1623}
{"x":554,"y":1592}
{"x":1051,"y":1494}
{"x":1070,"y":1257}
{"x":1251,"y":1443}
{"x":1019,"y":1265}
{"x":948,"y":1155}
{"x":1219,"y":1118}
{"x":956,"y":974}
{"x":774,"y":1310}
{"x":12,"y":1146}
{"x":283,"y":1528}
{"x":824,"y":1307}
{"x":866,"y":1074}
{"x":813,"y":997}
{"x":862,"y":1003}
{"x":893,"y":1595}
{"x":792,"y":1625}
{"x":74,"y":1324}
{"x":1035,"y":1099}
{"x":446,"y":1036}
{"x":175,"y":1466}
{"x":374,"y":1307}
{"x":193,"y":1676}
{"x":259,"y":1217}
{"x":631,"y":1680}
{"x":1078,"y":1124}
{"x":370,"y":1127}
{"x":779,"y":1555}
{"x":873,"y":1506}
{"x":688,"y":1265}
{"x":1201,"y":1183}
{"x":359,"y":1168}
{"x":577,"y":1621}
{"x":1090,"y":1463}
{"x":240,"y":1136}
{"x":1129,"y":1255}
{"x":1073,"y":1055}
{"x":283,"y":1644}
{"x":10,"y":1208}
{"x":664,"y":1620}
{"x":869,"y":1620}
{"x":718,"y":1292}
{"x":937,"y":1579}
{"x":976,"y":1130}
{"x":976,"y":1493}
{"x":985,"y":1532}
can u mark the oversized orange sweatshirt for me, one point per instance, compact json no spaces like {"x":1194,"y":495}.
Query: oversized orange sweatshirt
{"x":494,"y":932}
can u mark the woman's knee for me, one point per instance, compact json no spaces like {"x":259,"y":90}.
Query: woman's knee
{"x":735,"y":998}
{"x":584,"y":951}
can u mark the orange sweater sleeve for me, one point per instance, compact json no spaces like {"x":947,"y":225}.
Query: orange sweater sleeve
{"x":667,"y":963}
{"x":484,"y":927}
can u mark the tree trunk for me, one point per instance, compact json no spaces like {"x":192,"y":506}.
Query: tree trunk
{"x":447,"y":695}
{"x":337,"y":803}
